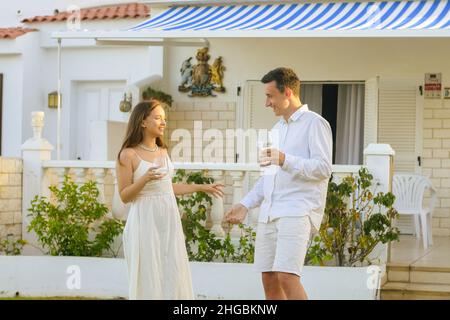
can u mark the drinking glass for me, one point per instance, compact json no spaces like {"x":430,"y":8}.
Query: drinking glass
{"x":262,"y":148}
{"x":161,"y":162}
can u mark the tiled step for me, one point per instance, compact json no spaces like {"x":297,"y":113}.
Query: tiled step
{"x":398,"y":272}
{"x":433,"y":275}
{"x":415,"y":291}
{"x":418,"y":274}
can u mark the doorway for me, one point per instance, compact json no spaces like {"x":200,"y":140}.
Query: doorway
{"x":96,"y":106}
{"x":340,"y":103}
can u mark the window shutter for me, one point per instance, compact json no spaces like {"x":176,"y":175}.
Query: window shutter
{"x":260,"y":117}
{"x":397,"y":121}
{"x":397,"y":125}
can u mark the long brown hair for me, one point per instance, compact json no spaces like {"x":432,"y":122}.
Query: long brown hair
{"x":135,"y":134}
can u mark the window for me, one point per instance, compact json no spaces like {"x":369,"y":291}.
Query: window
{"x":342,"y":105}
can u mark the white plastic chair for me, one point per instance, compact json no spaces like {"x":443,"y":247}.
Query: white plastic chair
{"x":409,"y":190}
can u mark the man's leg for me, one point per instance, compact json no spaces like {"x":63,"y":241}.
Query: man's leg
{"x":291,"y":286}
{"x":292,"y":245}
{"x":265,"y":247}
{"x":272,"y":286}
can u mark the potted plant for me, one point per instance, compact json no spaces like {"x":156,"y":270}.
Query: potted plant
{"x":78,"y":238}
{"x":357,"y":219}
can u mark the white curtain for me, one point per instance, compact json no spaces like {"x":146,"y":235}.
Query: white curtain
{"x":350,"y":124}
{"x":311,"y":94}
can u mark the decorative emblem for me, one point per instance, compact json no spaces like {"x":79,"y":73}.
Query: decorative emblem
{"x":202,"y":79}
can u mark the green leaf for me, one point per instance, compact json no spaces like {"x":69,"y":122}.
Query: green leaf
{"x":354,"y":222}
{"x":66,"y":226}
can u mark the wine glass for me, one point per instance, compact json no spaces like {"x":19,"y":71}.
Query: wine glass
{"x":161,"y":162}
{"x":262,"y":148}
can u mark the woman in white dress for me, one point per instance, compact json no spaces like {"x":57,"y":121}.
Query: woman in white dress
{"x":153,"y":239}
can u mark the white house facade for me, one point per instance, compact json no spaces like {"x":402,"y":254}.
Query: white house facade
{"x":385,"y":74}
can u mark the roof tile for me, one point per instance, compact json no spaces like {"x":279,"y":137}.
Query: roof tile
{"x":13,"y":33}
{"x":120,"y":11}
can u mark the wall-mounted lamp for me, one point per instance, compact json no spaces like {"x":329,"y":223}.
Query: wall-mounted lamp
{"x":53,"y":100}
{"x":125,"y":104}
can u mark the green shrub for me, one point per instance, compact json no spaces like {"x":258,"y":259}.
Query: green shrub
{"x":75,"y":224}
{"x":355,"y":222}
{"x":201,"y":243}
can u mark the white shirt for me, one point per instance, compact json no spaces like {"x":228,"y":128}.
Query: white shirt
{"x":299,"y":187}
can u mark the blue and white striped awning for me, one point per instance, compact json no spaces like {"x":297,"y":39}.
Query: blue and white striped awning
{"x":343,"y":16}
{"x":327,"y":19}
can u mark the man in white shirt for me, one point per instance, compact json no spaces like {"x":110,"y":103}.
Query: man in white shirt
{"x":292,"y":199}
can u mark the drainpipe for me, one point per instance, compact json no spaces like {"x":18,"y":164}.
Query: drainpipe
{"x":58,"y":129}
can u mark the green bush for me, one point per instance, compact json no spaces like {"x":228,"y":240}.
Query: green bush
{"x":202,"y":244}
{"x":11,"y":246}
{"x":356,"y":220}
{"x":75,"y":224}
{"x":151,"y":93}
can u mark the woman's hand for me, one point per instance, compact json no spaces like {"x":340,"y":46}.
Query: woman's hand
{"x":152,"y":174}
{"x":215,"y":189}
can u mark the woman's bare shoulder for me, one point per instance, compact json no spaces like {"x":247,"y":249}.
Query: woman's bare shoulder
{"x":127,"y":155}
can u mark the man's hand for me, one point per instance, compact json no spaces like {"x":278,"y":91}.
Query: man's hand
{"x":272,"y":156}
{"x":236,"y":214}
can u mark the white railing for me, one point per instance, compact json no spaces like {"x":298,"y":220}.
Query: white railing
{"x":103,"y":172}
{"x":40,"y":172}
{"x":241,"y":178}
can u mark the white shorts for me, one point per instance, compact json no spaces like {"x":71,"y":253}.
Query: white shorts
{"x":281,"y":244}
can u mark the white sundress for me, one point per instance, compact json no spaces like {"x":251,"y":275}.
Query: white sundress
{"x":153,"y":239}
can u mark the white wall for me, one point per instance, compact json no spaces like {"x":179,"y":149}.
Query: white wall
{"x":81,"y":62}
{"x":34,"y":75}
{"x":19,"y":61}
{"x":116,"y":132}
{"x":107,"y":278}
{"x":12,"y":68}
{"x":90,"y":64}
{"x":317,"y":59}
{"x":331,"y":60}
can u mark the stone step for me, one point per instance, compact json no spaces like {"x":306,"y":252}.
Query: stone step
{"x":418,"y":274}
{"x":397,"y":272}
{"x":414,"y":291}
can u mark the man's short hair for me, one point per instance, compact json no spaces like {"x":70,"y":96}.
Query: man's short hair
{"x":284,"y":78}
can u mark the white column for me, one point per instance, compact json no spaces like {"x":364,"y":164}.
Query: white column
{"x":60,"y":174}
{"x":217,"y":212}
{"x":100,"y":174}
{"x":254,"y":213}
{"x":237,"y":177}
{"x":114,"y":176}
{"x":80,"y":175}
{"x":379,"y":160}
{"x":34,"y":151}
{"x":115,"y":195}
